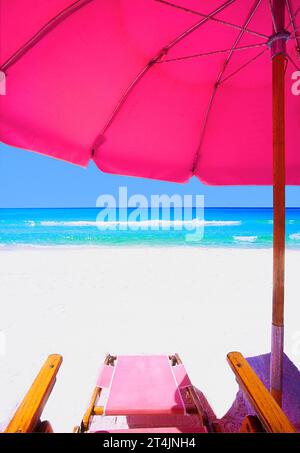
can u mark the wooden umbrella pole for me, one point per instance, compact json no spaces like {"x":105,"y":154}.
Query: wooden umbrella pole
{"x":278,"y":93}
{"x":278,"y":65}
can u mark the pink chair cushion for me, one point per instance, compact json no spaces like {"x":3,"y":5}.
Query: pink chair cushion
{"x":145,"y":385}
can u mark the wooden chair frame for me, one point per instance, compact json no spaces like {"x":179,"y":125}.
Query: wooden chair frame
{"x":27,"y":416}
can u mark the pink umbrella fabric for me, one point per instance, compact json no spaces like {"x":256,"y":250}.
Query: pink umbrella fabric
{"x":149,"y":88}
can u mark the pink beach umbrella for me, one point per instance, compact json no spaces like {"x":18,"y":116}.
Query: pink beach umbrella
{"x":161,"y":89}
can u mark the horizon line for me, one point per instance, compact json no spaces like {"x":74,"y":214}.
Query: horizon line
{"x":135,"y":207}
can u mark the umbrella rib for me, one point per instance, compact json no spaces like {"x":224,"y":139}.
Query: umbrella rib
{"x":213,"y":19}
{"x":296,"y":32}
{"x":242,"y":66}
{"x":292,"y":61}
{"x":273,"y":16}
{"x":152,"y":62}
{"x":216,"y":52}
{"x":198,"y":24}
{"x":49,"y":26}
{"x":127,"y":92}
{"x":292,"y":23}
{"x":294,"y":17}
{"x":219,"y":78}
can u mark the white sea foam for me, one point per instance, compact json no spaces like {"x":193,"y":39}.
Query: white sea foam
{"x":222,"y":222}
{"x":129,"y":223}
{"x":74,"y":223}
{"x":142,"y":223}
{"x":245,"y":238}
{"x":295,"y":236}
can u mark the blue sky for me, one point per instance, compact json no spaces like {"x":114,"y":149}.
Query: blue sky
{"x":32,"y":180}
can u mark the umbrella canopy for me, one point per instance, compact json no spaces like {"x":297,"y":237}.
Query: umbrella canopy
{"x":151,"y":88}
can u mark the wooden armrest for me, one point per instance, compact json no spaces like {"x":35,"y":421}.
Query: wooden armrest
{"x":268,"y":411}
{"x":27,"y":416}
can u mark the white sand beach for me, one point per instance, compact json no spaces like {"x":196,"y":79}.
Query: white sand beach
{"x":84,"y":302}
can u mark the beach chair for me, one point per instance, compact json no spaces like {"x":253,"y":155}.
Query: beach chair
{"x":149,"y":394}
{"x":152,"y":393}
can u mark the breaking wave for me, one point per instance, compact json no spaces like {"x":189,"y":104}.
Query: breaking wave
{"x":245,"y":238}
{"x":142,"y":223}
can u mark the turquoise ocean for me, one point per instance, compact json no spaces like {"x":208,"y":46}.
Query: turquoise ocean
{"x":221,"y":227}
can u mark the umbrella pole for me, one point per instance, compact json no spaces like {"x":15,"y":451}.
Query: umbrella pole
{"x":278,"y":65}
{"x":278,"y":87}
